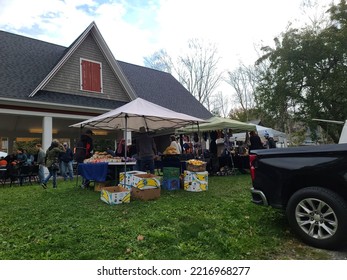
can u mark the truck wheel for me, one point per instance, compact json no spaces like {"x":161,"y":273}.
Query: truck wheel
{"x":319,"y":217}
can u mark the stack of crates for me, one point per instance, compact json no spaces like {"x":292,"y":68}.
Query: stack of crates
{"x":171,"y":178}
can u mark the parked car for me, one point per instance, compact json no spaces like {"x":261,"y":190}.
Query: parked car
{"x":3,"y":154}
{"x":310,"y":184}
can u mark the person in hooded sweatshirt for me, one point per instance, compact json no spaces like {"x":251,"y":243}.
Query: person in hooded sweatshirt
{"x":270,"y":142}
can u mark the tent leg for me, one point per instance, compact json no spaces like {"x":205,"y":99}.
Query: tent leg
{"x":77,"y":175}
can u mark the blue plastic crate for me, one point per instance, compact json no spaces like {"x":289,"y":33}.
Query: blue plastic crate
{"x":171,"y":184}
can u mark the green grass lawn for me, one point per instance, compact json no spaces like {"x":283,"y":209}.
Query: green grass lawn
{"x":74,"y":224}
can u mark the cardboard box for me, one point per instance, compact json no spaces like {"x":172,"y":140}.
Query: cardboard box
{"x":191,"y":176}
{"x":115,"y":195}
{"x":145,"y":194}
{"x":129,"y":180}
{"x":195,"y":181}
{"x":171,"y":184}
{"x":196,"y":168}
{"x":145,"y":181}
{"x":195,"y":186}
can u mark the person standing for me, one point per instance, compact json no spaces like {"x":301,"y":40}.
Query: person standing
{"x":52,"y":162}
{"x":179,"y":144}
{"x":175,"y":144}
{"x":41,"y":155}
{"x":133,"y":154}
{"x":84,"y":147}
{"x":270,"y":142}
{"x":120,"y":152}
{"x":255,"y":141}
{"x":66,"y":160}
{"x":84,"y":150}
{"x":187,"y":146}
{"x":146,"y":150}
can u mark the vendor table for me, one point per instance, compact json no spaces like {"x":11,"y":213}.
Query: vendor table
{"x":117,"y":167}
{"x":103,"y":171}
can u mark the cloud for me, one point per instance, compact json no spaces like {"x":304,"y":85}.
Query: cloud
{"x":235,"y":26}
{"x":134,"y":29}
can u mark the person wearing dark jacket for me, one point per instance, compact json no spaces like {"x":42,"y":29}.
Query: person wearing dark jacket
{"x":85,"y":146}
{"x":255,"y":141}
{"x":21,"y":157}
{"x":84,"y":150}
{"x":270,"y":142}
{"x":52,"y":162}
{"x":146,"y":150}
{"x":41,"y":155}
{"x":66,"y":160}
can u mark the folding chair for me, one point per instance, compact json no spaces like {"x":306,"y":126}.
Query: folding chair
{"x":19,"y":173}
{"x":3,"y":175}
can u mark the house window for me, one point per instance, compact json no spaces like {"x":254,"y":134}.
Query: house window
{"x":91,"y":75}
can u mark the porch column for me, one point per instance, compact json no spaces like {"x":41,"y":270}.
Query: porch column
{"x":10,"y":141}
{"x":47,"y":132}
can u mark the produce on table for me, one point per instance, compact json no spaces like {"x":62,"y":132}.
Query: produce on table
{"x":105,"y":157}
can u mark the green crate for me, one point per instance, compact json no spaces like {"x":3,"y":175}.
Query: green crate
{"x":171,"y":172}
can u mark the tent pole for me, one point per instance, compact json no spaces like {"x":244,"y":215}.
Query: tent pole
{"x":79,"y":136}
{"x":125,"y":147}
{"x":200,"y":142}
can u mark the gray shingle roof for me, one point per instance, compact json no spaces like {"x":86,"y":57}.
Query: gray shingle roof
{"x":25,"y":62}
{"x":163,"y":89}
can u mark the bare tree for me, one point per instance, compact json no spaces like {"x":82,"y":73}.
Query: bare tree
{"x":160,"y":60}
{"x":197,"y":70}
{"x":315,"y":13}
{"x":220,"y":105}
{"x":244,"y":82}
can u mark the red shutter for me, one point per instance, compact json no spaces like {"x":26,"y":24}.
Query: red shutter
{"x":96,"y":81}
{"x":91,"y":76}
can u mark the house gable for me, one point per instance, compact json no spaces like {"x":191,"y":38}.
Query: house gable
{"x":89,"y":49}
{"x":68,"y":78}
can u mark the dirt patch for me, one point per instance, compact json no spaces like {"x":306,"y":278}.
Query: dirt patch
{"x":338,"y":255}
{"x":293,"y":249}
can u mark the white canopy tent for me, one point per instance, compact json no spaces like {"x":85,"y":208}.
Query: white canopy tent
{"x":139,"y":113}
{"x":272,"y":132}
{"x":281,"y":137}
{"x":218,"y":123}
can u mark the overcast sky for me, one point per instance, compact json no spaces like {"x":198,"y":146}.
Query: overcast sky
{"x":137,"y":28}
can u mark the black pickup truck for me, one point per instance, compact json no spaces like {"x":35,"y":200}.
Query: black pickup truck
{"x":310,"y":184}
